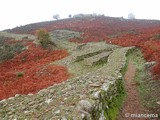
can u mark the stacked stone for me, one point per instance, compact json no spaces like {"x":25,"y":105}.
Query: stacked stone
{"x":86,"y":96}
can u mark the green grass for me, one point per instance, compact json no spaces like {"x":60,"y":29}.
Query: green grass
{"x":149,"y":91}
{"x":116,"y":102}
{"x":115,"y":107}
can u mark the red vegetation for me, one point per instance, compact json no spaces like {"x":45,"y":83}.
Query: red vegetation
{"x":30,"y":71}
{"x":130,"y":33}
{"x":137,"y":33}
{"x":124,"y":32}
{"x":145,"y":41}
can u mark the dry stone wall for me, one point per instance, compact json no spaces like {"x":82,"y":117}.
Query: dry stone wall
{"x":88,"y":96}
{"x":102,"y":57}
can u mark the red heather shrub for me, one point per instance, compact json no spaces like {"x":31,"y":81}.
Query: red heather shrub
{"x":37,"y":73}
{"x":34,"y":80}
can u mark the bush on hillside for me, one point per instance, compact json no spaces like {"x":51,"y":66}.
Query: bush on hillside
{"x":156,"y":37}
{"x":9,"y":51}
{"x":44,"y":38}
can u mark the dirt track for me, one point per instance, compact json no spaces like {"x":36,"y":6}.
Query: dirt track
{"x":132,"y":103}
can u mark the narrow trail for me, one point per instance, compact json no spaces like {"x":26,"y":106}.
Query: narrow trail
{"x":132,"y":103}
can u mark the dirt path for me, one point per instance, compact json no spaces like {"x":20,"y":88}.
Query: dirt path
{"x":132,"y":102}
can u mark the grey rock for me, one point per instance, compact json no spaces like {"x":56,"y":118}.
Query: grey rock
{"x":105,"y":86}
{"x":17,"y":95}
{"x":96,"y":95}
{"x":48,"y":101}
{"x":85,"y":105}
{"x":57,"y":112}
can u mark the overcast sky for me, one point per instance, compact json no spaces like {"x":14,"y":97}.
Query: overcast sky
{"x":20,"y":12}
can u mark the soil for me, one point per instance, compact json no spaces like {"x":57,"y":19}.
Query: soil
{"x":132,"y":103}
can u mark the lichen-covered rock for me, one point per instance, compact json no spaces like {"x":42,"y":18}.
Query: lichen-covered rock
{"x":85,"y":106}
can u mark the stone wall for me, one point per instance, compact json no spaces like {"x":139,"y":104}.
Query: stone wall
{"x":97,"y":59}
{"x":90,"y":96}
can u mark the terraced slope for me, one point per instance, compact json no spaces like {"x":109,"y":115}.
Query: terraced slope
{"x":75,"y":62}
{"x":85,"y":96}
{"x":18,"y":36}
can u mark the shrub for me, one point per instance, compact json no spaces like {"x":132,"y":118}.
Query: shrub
{"x":8,"y":51}
{"x":156,"y":37}
{"x":20,"y":74}
{"x":25,"y":38}
{"x":44,"y":38}
{"x":2,"y":40}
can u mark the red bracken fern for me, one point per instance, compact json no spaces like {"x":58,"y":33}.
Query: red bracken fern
{"x":37,"y":73}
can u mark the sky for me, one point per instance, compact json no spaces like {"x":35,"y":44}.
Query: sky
{"x":21,"y":12}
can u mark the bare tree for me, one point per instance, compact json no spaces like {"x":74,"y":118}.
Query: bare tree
{"x":56,"y":16}
{"x":131,"y":16}
{"x":69,"y":15}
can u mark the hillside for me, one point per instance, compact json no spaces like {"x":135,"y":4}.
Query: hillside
{"x":82,"y":77}
{"x":123,"y":32}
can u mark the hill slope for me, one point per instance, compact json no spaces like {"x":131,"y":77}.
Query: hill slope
{"x":144,"y":34}
{"x":88,"y":68}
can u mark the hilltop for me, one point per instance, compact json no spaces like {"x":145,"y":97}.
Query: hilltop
{"x":81,"y":76}
{"x":109,"y":24}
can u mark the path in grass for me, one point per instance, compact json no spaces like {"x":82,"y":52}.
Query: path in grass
{"x":132,"y":103}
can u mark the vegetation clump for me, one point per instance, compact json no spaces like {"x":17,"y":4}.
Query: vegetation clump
{"x":44,"y":38}
{"x":20,"y":74}
{"x":156,"y":36}
{"x":8,"y":51}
